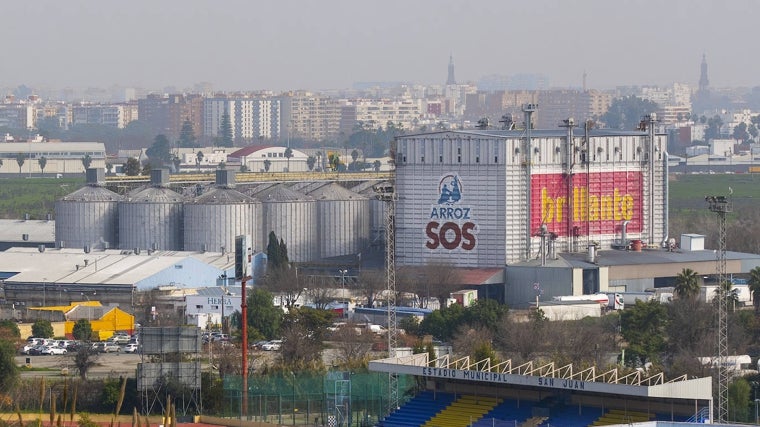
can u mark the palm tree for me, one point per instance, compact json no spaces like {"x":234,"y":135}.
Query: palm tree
{"x":198,"y":160}
{"x":687,"y":284}
{"x":43,"y":162}
{"x":20,"y":159}
{"x":729,"y":293}
{"x":288,"y":155}
{"x":754,"y":287}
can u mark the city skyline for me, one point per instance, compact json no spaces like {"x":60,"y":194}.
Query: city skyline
{"x":239,"y":45}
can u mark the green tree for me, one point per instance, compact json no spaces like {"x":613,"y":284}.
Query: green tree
{"x":132,"y":168}
{"x":274,"y":258}
{"x":738,"y":401}
{"x":487,"y":313}
{"x":8,"y":370}
{"x":225,"y":132}
{"x":9,"y":330}
{"x":42,"y":161}
{"x":187,"y":135}
{"x":160,"y":152}
{"x":86,"y":161}
{"x":754,"y":287}
{"x":288,"y":155}
{"x":82,"y":330}
{"x":310,"y":162}
{"x":627,"y":112}
{"x":20,"y":159}
{"x":643,"y":327}
{"x":42,"y":329}
{"x":264,"y":318}
{"x":176,"y":162}
{"x":109,"y":168}
{"x":267,"y":165}
{"x":376,"y":165}
{"x":713,"y":128}
{"x":442,"y":324}
{"x":741,"y":132}
{"x":687,"y":284}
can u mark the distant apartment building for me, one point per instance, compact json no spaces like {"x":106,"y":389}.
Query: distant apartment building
{"x":165,"y":114}
{"x":376,"y":113}
{"x":310,"y":116}
{"x":17,"y":115}
{"x":251,"y":117}
{"x":113,"y":115}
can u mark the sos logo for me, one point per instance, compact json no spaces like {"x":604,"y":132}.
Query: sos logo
{"x":450,"y":235}
{"x":450,"y":225}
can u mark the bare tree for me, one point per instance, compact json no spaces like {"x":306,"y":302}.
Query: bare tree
{"x":435,"y":280}
{"x":370,"y":283}
{"x":468,"y":339}
{"x":353,"y":347}
{"x":320,"y":290}
{"x":84,"y":359}
{"x":286,"y":283}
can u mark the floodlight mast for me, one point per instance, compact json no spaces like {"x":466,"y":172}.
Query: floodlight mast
{"x":721,"y":205}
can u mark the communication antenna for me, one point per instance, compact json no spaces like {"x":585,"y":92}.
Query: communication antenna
{"x":721,"y":205}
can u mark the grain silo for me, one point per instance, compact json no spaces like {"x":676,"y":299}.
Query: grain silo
{"x":377,"y":211}
{"x":151,"y":217}
{"x":293,"y":218}
{"x":88,"y":217}
{"x":343,"y":221}
{"x":213,"y":219}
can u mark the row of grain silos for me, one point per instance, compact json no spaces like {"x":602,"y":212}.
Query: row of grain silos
{"x":328,"y":221}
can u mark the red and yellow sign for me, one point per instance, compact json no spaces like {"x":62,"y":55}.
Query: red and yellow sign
{"x":597,"y":203}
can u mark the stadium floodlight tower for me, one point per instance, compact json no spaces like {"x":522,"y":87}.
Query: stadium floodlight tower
{"x":721,"y":205}
{"x":387,"y":193}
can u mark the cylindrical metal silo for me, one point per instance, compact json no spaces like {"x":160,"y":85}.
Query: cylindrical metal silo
{"x":343,"y":218}
{"x":377,"y":211}
{"x":292,"y":216}
{"x":88,"y":217}
{"x":213,"y":219}
{"x":151,"y":217}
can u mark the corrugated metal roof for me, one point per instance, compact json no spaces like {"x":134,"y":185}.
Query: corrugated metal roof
{"x":108,"y":267}
{"x":154,"y":195}
{"x":281,"y":193}
{"x":12,"y":230}
{"x":334,"y":191}
{"x":92,"y":193}
{"x":51,"y":147}
{"x":222,"y":196}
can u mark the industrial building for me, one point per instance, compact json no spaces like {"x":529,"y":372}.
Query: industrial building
{"x":57,"y":277}
{"x":61,"y":158}
{"x":488,"y":198}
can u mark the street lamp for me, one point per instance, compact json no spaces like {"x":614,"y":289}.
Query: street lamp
{"x":343,"y":281}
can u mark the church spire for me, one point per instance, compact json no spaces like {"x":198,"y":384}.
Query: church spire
{"x":451,"y":80}
{"x":703,"y":81}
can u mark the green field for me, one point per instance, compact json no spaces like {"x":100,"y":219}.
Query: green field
{"x":33,"y":196}
{"x":687,"y":192}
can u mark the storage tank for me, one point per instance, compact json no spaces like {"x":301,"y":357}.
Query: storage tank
{"x":88,"y":217}
{"x":151,"y":217}
{"x":343,"y":220}
{"x":293,"y":218}
{"x":377,"y":210}
{"x":213,"y":219}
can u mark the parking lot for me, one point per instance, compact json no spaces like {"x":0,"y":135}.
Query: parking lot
{"x":108,"y":365}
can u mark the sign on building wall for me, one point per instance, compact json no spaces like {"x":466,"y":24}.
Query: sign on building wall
{"x":451,"y":220}
{"x":596,"y":203}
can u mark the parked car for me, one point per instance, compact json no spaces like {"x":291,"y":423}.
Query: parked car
{"x":273,"y":345}
{"x":131,"y":348}
{"x":119,"y":339}
{"x":53,"y":350}
{"x":109,"y":347}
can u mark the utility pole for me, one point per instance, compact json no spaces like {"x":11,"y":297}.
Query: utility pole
{"x":721,"y":205}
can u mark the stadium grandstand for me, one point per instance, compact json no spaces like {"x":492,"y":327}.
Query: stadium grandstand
{"x":463,"y":392}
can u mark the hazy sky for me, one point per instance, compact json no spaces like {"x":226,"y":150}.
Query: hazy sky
{"x":324,"y":44}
